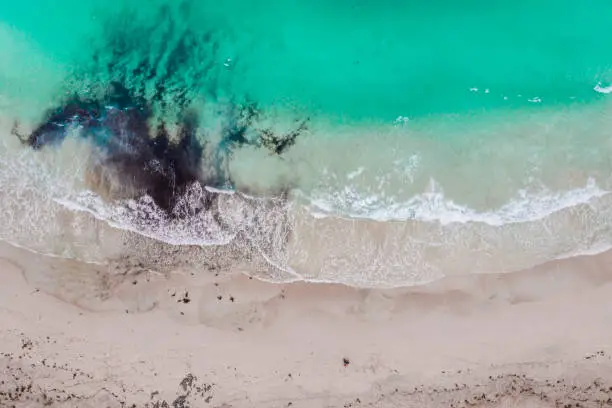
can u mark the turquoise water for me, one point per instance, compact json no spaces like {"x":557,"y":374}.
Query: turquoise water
{"x":476,"y":134}
{"x":360,"y":59}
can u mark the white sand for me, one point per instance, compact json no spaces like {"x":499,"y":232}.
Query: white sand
{"x":537,"y":338}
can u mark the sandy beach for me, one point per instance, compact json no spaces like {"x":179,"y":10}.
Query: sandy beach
{"x":304,"y":204}
{"x":75,"y":335}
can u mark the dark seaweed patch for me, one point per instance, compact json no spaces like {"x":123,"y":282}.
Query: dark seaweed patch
{"x":242,"y":121}
{"x":161,"y":59}
{"x":144,"y":74}
{"x":118,"y":124}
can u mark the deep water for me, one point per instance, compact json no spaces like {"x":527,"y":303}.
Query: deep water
{"x":351,"y":59}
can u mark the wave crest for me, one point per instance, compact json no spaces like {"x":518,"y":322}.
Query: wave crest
{"x":434,"y":206}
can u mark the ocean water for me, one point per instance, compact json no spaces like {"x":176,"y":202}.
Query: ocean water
{"x":431,"y":139}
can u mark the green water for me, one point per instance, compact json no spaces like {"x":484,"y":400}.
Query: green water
{"x":351,"y":60}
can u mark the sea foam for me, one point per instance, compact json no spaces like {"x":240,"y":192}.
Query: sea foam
{"x":434,"y":206}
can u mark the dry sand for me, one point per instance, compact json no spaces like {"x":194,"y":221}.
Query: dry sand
{"x":77,"y":336}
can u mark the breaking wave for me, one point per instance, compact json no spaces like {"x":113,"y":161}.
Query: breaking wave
{"x":146,"y":153}
{"x":433,"y":206}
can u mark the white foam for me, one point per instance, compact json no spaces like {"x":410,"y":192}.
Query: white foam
{"x":603,"y":89}
{"x":219,"y":190}
{"x":144,"y":218}
{"x":355,"y":173}
{"x":401,"y":120}
{"x":433,"y":206}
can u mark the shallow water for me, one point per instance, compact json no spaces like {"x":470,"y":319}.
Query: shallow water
{"x":442,"y":139}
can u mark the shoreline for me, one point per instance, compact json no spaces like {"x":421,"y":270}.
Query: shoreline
{"x":357,"y":252}
{"x":133,"y":338}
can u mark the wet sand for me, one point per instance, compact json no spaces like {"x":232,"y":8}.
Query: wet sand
{"x":84,"y":336}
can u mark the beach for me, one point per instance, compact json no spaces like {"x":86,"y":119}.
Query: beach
{"x":86,"y":336}
{"x":305,"y":204}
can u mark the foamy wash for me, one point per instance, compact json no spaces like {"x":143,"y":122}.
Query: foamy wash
{"x":367,"y":143}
